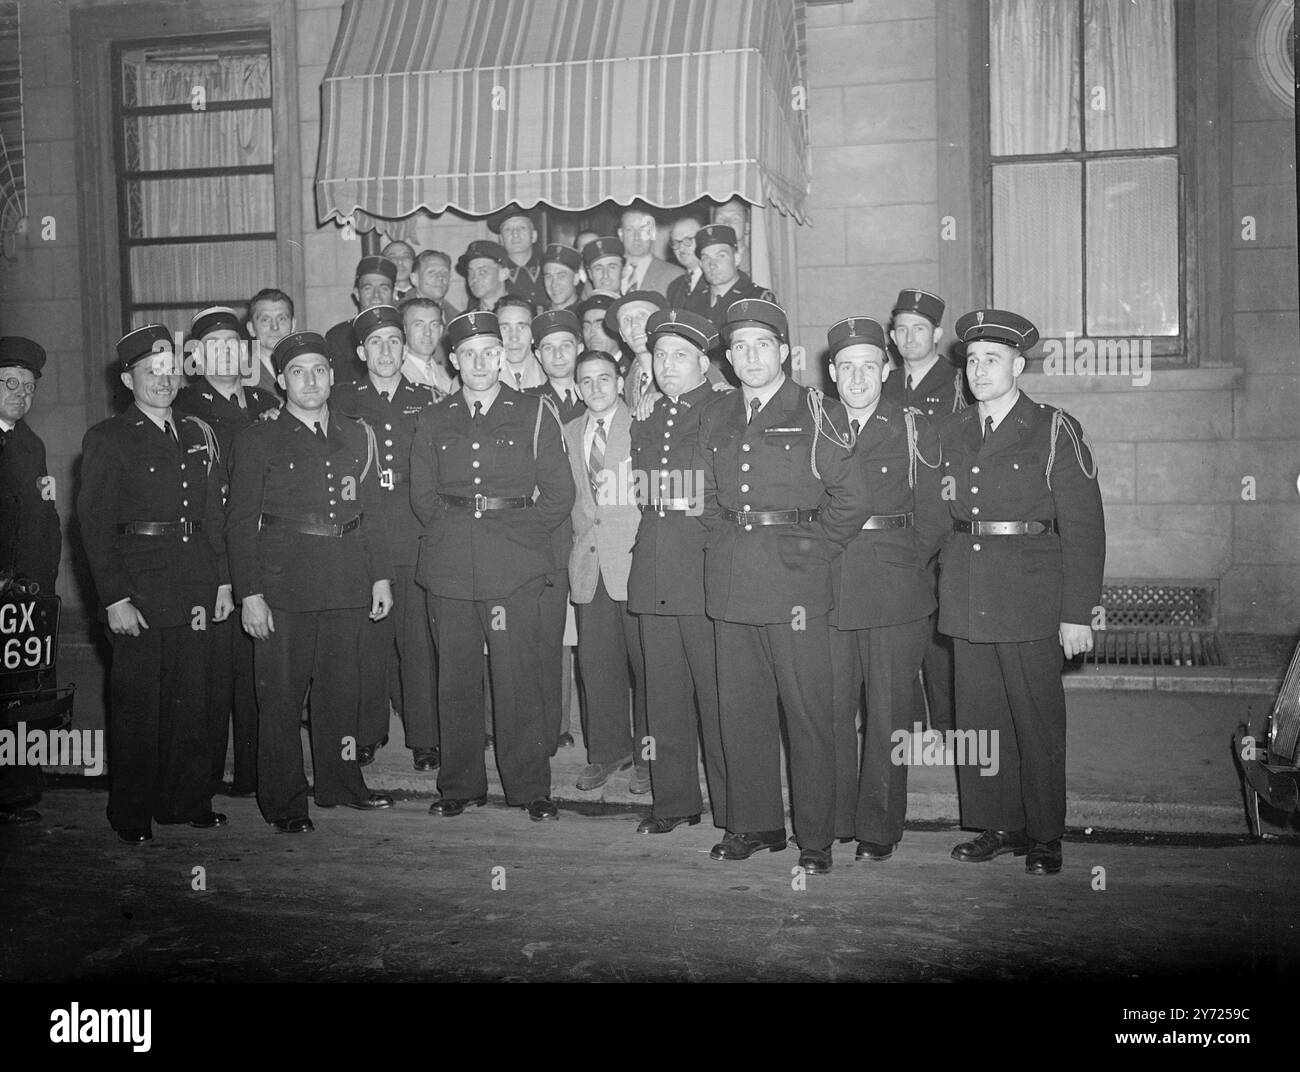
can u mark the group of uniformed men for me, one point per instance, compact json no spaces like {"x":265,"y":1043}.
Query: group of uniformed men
{"x":740,"y":559}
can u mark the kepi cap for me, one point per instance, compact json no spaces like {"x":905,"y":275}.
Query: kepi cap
{"x":556,"y":253}
{"x":855,"y":331}
{"x":997,"y":325}
{"x":18,"y":352}
{"x":376,"y":266}
{"x":692,"y":327}
{"x":468,"y":325}
{"x":755,"y":311}
{"x":143,"y":342}
{"x":715,"y":234}
{"x":598,"y":248}
{"x":295,"y":344}
{"x":555,"y":320}
{"x":921,"y":302}
{"x":371,"y":320}
{"x":214,"y":319}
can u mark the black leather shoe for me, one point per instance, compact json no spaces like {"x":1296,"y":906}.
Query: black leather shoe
{"x":12,"y":816}
{"x":235,"y":791}
{"x":365,"y":755}
{"x":425,"y":759}
{"x":873,"y":851}
{"x":666,"y":826}
{"x":298,"y":825}
{"x":743,"y":846}
{"x":541,"y":809}
{"x":371,"y":803}
{"x":594,"y":775}
{"x":816,"y":861}
{"x":1044,"y":858}
{"x":208,"y":820}
{"x":565,"y":741}
{"x":449,"y":807}
{"x":992,"y":843}
{"x":135,"y":835}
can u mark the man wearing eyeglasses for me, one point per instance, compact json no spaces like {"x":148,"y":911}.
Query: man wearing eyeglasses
{"x":642,"y":270}
{"x":30,"y":538}
{"x":681,"y":240}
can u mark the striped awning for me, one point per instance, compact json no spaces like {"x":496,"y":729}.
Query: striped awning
{"x":440,"y":104}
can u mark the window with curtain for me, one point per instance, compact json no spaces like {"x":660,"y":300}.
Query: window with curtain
{"x":195,"y":159}
{"x":1085,"y":167}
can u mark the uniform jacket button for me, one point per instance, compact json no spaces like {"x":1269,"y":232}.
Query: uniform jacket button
{"x":975,"y":547}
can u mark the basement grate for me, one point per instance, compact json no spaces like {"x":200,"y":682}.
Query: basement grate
{"x":1159,"y":623}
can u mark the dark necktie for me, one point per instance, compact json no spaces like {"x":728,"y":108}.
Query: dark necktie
{"x":644,"y":384}
{"x":596,"y":459}
{"x":754,"y":406}
{"x":320,"y":433}
{"x":856,"y":425}
{"x":478,"y":413}
{"x":171,"y":431}
{"x":519,"y":380}
{"x":568,"y":398}
{"x":988,"y":428}
{"x":909,"y":383}
{"x":4,"y":438}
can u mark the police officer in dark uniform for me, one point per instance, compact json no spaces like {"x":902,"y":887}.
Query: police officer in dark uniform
{"x":782,"y":498}
{"x":715,"y":245}
{"x":557,"y":338}
{"x":666,"y":585}
{"x":927,"y":381}
{"x":30,"y":537}
{"x":375,"y":280}
{"x":883,"y":594}
{"x":1019,"y":582}
{"x":561,"y":276}
{"x":397,"y":662}
{"x":151,"y":523}
{"x":217,"y":398}
{"x":311,"y":558}
{"x":490,"y":483}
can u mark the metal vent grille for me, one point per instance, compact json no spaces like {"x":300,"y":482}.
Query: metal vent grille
{"x":1159,"y":623}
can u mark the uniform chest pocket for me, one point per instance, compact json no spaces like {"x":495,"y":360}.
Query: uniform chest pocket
{"x":788,"y":446}
{"x":1018,"y":469}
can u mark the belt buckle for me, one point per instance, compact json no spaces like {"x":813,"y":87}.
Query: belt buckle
{"x":386,"y":479}
{"x":480,"y":502}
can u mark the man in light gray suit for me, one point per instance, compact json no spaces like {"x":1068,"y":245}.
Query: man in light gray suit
{"x":605,"y":521}
{"x":642,"y":270}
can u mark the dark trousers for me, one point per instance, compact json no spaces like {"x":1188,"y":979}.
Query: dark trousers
{"x":19,"y":786}
{"x":232,"y":699}
{"x":682,"y":708}
{"x":397,"y":668}
{"x":1015,"y":689}
{"x":511,"y":625}
{"x":554,"y":608}
{"x":871,"y":794}
{"x":159,"y":750}
{"x":760,"y":666}
{"x":323,"y":648}
{"x":610,"y":663}
{"x":936,"y":694}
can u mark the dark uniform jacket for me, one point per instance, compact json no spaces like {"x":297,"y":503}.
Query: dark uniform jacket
{"x":701,"y":300}
{"x":1013,"y":588}
{"x":526,"y":281}
{"x":341,"y":349}
{"x":282,"y":468}
{"x":202,"y":400}
{"x":680,"y":290}
{"x":941,"y":391}
{"x":393,"y":423}
{"x":463,"y":556}
{"x":562,"y":537}
{"x":771,"y":573}
{"x":881,"y":579}
{"x":132,"y":471}
{"x":30,"y":537}
{"x":668,"y":558}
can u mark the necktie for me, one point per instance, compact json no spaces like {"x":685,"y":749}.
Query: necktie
{"x":519,"y":380}
{"x":568,"y":398}
{"x":856,"y":425}
{"x":629,"y":272}
{"x":171,"y":431}
{"x":643,"y":384}
{"x":754,"y":406}
{"x":596,"y":459}
{"x":909,"y":383}
{"x":988,"y":428}
{"x":320,"y":433}
{"x":478,"y":412}
{"x":4,"y":438}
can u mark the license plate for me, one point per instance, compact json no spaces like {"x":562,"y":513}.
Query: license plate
{"x":29,"y":632}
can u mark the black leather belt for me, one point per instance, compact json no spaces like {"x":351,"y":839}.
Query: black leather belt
{"x":311,"y":524}
{"x":889,"y":521}
{"x":479,"y":503}
{"x":1006,"y":528}
{"x":668,"y":506}
{"x":392,"y":478}
{"x":772,"y":517}
{"x":159,"y":528}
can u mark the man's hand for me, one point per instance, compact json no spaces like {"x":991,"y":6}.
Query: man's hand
{"x":646,"y":404}
{"x":225,"y":604}
{"x":269,"y":415}
{"x":256,"y":617}
{"x":1075,"y":639}
{"x":381,"y":600}
{"x":124,"y":619}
